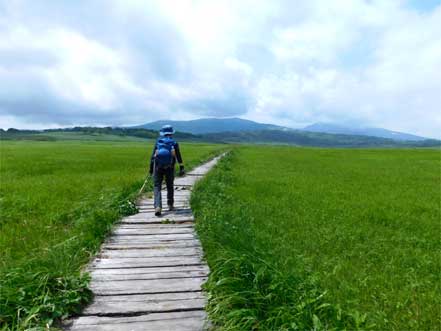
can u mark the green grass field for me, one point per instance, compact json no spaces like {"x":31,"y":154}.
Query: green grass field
{"x":296,"y":238}
{"x":323,"y":239}
{"x":72,"y":135}
{"x":58,"y":201}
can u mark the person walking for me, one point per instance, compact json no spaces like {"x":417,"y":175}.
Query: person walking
{"x":162,"y":165}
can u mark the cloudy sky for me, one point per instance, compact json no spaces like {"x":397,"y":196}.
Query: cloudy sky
{"x":111,"y":62}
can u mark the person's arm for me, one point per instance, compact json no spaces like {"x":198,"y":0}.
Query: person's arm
{"x":152,"y":160}
{"x":179,"y":159}
{"x":178,"y":154}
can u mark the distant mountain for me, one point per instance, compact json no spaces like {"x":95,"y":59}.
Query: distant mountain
{"x":272,"y":136}
{"x":211,"y":125}
{"x":373,"y":132}
{"x":100,"y":133}
{"x":318,"y":139}
{"x":219,"y":125}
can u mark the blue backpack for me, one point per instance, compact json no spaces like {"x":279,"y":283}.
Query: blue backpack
{"x":164,"y":152}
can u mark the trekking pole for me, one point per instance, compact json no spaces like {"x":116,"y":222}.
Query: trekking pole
{"x":147,"y":178}
{"x":143,"y":185}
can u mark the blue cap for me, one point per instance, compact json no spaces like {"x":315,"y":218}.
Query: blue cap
{"x":165,"y":130}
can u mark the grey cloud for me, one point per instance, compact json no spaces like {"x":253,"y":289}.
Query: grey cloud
{"x":152,"y":47}
{"x":151,"y":41}
{"x":232,"y":103}
{"x":156,"y":50}
{"x":60,"y":112}
{"x":157,"y":69}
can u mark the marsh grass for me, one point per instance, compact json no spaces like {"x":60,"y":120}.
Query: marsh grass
{"x":322,"y":239}
{"x":58,"y":202}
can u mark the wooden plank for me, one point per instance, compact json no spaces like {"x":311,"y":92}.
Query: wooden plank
{"x":144,"y":214}
{"x":150,"y":297}
{"x":165,"y":212}
{"x":147,"y":286}
{"x":182,"y":321}
{"x":181,"y":220}
{"x":150,"y":244}
{"x":153,"y":245}
{"x":146,"y":262}
{"x":153,"y":270}
{"x":108,"y":308}
{"x":171,"y":222}
{"x":159,"y":275}
{"x":201,"y":171}
{"x":164,"y":202}
{"x":164,"y":209}
{"x":147,"y":217}
{"x":176,"y":204}
{"x":150,"y":232}
{"x":146,"y":303}
{"x":179,"y":211}
{"x":155,"y":226}
{"x":141,"y":239}
{"x":189,"y":181}
{"x":177,"y":195}
{"x":168,"y":220}
{"x":140,"y":253}
{"x":183,"y":188}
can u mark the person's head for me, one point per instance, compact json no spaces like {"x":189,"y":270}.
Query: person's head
{"x":166,"y":131}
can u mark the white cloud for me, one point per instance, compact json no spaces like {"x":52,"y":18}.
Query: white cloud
{"x":291,"y":63}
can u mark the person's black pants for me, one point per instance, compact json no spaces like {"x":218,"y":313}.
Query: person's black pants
{"x":158,"y":176}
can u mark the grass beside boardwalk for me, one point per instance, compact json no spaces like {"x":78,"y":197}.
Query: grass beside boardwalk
{"x":302,"y":239}
{"x":58,"y":201}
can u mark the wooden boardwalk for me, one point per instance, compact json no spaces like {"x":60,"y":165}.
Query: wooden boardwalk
{"x":149,"y":272}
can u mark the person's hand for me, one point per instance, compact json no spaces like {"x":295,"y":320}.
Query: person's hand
{"x":181,"y":170}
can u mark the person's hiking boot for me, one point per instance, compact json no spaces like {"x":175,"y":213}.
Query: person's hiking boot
{"x":158,"y":211}
{"x":170,"y":207}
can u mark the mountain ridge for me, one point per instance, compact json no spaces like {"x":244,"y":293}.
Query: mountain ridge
{"x":211,"y":125}
{"x":315,"y":139}
{"x":362,"y":131}
{"x":234,"y":124}
{"x":284,"y":137}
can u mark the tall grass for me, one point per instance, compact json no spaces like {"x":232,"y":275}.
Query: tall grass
{"x":58,"y":202}
{"x":303,"y":239}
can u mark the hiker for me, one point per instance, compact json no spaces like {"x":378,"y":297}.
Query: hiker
{"x":162,"y":164}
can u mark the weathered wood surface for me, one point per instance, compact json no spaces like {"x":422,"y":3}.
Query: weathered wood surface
{"x":149,"y":272}
{"x":193,"y":320}
{"x":141,"y":253}
{"x":145,"y":286}
{"x":165,"y":270}
{"x":147,"y":303}
{"x":102,"y":277}
{"x":154,"y":244}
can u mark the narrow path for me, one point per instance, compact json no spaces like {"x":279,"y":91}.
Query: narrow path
{"x":149,"y":272}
